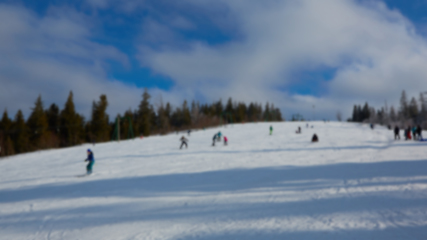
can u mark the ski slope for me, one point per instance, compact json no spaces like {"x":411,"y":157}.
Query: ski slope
{"x":356,"y":183}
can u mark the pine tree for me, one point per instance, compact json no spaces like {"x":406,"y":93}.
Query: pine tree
{"x":195,"y":112}
{"x":393,"y":116}
{"x":266,"y":115}
{"x":279,"y":115}
{"x":154,"y":120}
{"x":219,"y":108}
{"x":8,"y":148}
{"x":168,"y":111}
{"x":404,"y":105}
{"x":240,"y":112}
{"x":126,"y":131}
{"x":251,"y":112}
{"x":100,"y":129}
{"x":38,"y":125}
{"x":72,"y":124}
{"x":229,"y":107}
{"x":186,"y":115}
{"x":176,"y":118}
{"x":413,"y":109}
{"x":20,"y":138}
{"x":355,"y":114}
{"x":5,"y":123}
{"x":423,"y":108}
{"x":144,"y":114}
{"x":52,"y":115}
{"x":6,"y":143}
{"x":163,"y":121}
{"x":359,"y":114}
{"x":366,"y":112}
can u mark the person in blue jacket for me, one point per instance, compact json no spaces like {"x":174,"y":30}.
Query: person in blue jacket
{"x":91,"y":161}
{"x":219,"y":136}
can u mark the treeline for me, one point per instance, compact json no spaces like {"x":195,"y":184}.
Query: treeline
{"x":409,"y":113}
{"x":54,"y":128}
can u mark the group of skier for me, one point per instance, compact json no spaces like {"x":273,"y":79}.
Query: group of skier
{"x":409,"y":133}
{"x":184,"y":142}
{"x":217,"y":138}
{"x":315,"y":138}
{"x":414,"y":133}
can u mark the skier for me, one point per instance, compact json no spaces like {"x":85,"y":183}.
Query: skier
{"x":298,"y":131}
{"x":183,"y":142}
{"x":408,"y":133}
{"x":91,"y":161}
{"x":419,"y":132}
{"x":189,"y":132}
{"x":214,"y":139}
{"x":225,"y":141}
{"x":314,"y":138}
{"x":271,"y":130}
{"x":396,"y":133}
{"x":414,"y":133}
{"x":219,"y":136}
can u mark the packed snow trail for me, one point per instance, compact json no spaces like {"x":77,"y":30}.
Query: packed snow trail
{"x":356,"y":183}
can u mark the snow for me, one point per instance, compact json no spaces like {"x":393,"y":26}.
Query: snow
{"x":356,"y":183}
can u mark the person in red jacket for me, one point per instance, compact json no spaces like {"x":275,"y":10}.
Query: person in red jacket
{"x":225,"y":141}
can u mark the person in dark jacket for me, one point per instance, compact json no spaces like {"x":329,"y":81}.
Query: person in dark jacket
{"x":396,"y":133}
{"x":90,"y":158}
{"x":419,"y":132}
{"x":315,"y":138}
{"x":183,"y":142}
{"x":214,"y":139}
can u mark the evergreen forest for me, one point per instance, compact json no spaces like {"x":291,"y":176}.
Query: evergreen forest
{"x":54,"y":127}
{"x":410,"y":112}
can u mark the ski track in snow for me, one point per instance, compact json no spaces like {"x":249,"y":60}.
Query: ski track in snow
{"x":356,"y":183}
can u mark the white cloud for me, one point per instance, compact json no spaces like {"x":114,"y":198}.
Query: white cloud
{"x":375,"y":50}
{"x":52,"y":55}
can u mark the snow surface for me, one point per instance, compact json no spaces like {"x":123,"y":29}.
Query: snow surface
{"x":356,"y":183}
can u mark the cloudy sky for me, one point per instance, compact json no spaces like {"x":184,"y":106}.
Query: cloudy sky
{"x":295,"y":53}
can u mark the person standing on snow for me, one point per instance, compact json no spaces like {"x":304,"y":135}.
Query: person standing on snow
{"x":271,"y":130}
{"x":408,"y":133}
{"x":225,"y":141}
{"x":396,"y":133}
{"x":91,"y":161}
{"x":315,"y":138}
{"x":214,"y":139}
{"x":183,"y":142}
{"x":414,"y":133}
{"x":419,"y":132}
{"x":219,"y":136}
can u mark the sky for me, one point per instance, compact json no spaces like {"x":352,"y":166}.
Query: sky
{"x":309,"y":57}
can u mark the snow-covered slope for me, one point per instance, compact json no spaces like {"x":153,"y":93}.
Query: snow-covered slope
{"x":356,"y":183}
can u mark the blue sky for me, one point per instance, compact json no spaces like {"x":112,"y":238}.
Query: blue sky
{"x":293,"y":53}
